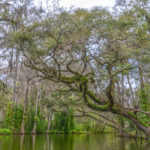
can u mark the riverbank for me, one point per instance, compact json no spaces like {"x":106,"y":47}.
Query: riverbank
{"x":5,"y":131}
{"x":8,"y":132}
{"x":70,"y":142}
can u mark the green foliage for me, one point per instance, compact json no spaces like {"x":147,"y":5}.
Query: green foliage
{"x":107,"y":129}
{"x":71,"y":121}
{"x":14,"y":117}
{"x":87,"y":125}
{"x":40,"y":119}
{"x":41,"y":126}
{"x":8,"y":119}
{"x":97,"y":127}
{"x":4,"y":94}
{"x":3,"y":88}
{"x":5,"y":131}
{"x":144,"y":95}
{"x":64,"y":121}
{"x":21,"y":36}
{"x":29,"y":120}
{"x":93,"y":42}
{"x":79,"y":128}
{"x":17,"y":117}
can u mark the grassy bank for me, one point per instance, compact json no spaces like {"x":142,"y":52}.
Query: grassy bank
{"x":5,"y":131}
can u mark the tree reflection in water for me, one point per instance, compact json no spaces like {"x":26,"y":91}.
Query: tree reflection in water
{"x":70,"y":142}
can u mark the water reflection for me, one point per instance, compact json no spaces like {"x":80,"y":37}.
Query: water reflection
{"x":21,"y":142}
{"x":33,"y":142}
{"x":70,"y":142}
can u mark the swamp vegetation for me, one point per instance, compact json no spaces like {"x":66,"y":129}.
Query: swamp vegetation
{"x":75,"y":70}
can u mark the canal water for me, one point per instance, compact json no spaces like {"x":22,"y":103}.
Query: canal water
{"x":70,"y":142}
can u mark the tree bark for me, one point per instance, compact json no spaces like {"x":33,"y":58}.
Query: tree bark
{"x":25,"y":106}
{"x":49,"y":121}
{"x":130,"y":86}
{"x":14,"y":96}
{"x":36,"y":110}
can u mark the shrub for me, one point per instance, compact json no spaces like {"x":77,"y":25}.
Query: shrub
{"x":5,"y":131}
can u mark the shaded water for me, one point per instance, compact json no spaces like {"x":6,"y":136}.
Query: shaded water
{"x":70,"y":142}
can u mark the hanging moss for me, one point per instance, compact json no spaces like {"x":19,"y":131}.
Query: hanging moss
{"x":93,"y":97}
{"x":81,"y":79}
{"x":135,"y":117}
{"x":116,"y":109}
{"x":132,"y":114}
{"x":68,"y":80}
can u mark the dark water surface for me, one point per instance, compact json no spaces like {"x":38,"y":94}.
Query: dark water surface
{"x":70,"y":142}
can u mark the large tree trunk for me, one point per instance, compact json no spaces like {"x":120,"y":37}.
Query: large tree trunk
{"x":143,"y":95}
{"x":122,"y":99}
{"x":49,"y":121}
{"x":114,"y":108}
{"x":36,"y":110}
{"x":132,"y":94}
{"x":133,"y":118}
{"x":25,"y":106}
{"x":15,"y":77}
